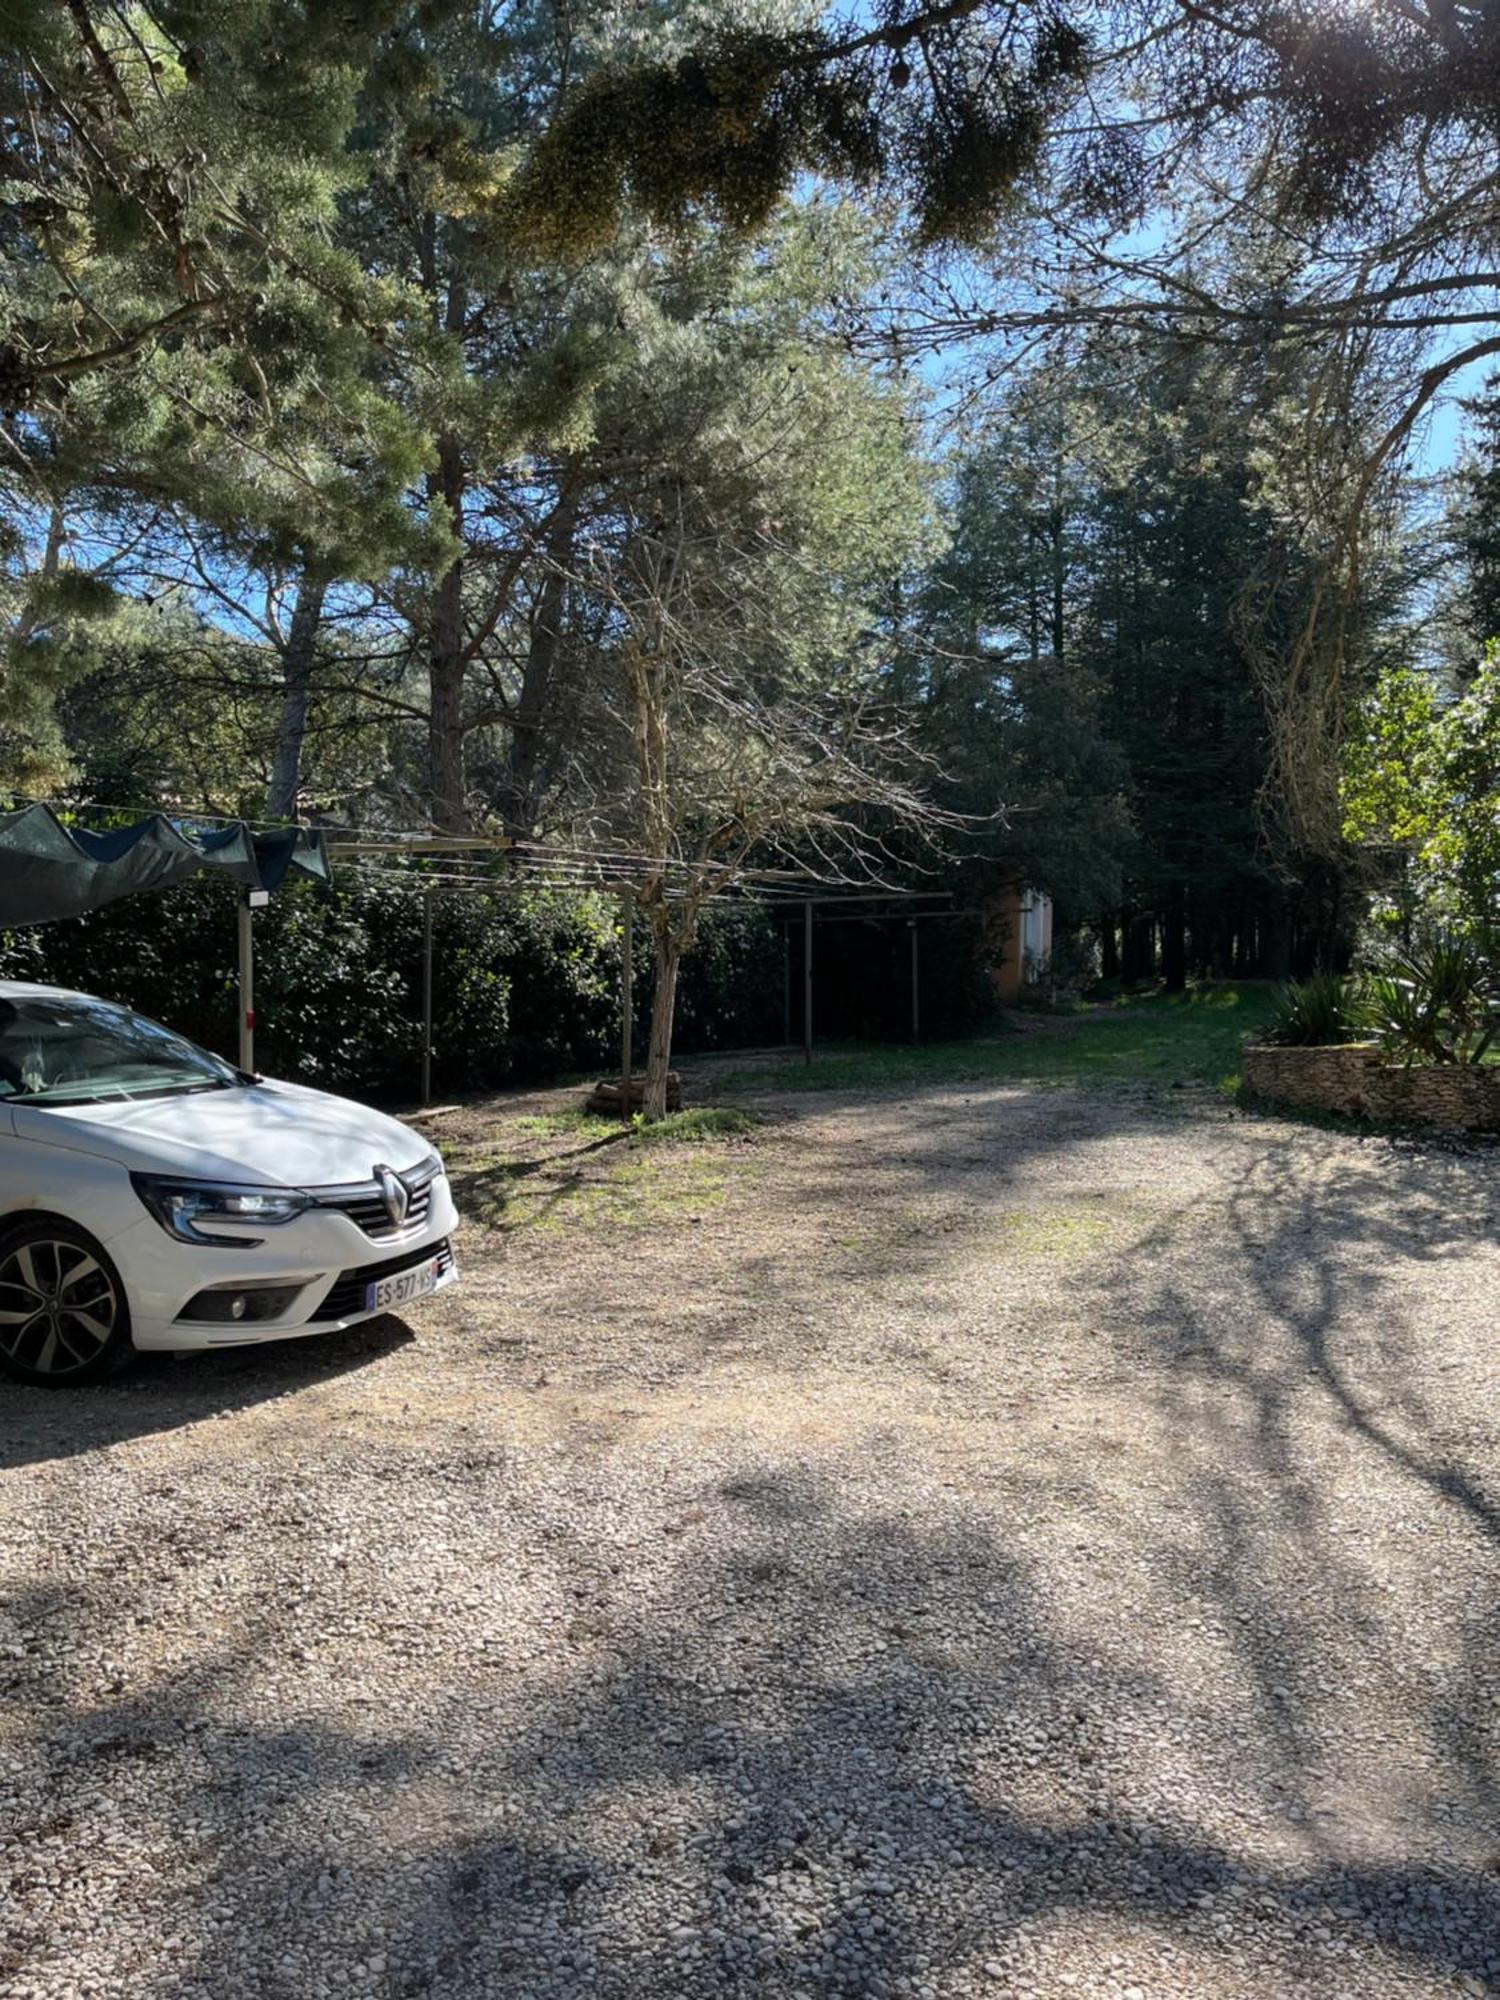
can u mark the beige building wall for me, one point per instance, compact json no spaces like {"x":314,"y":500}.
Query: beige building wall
{"x":1020,"y":923}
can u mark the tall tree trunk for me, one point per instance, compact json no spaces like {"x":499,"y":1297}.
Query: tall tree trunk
{"x":1344,"y":913}
{"x":668,"y":955}
{"x":1059,"y":577}
{"x":1174,"y":941}
{"x":1109,"y":949}
{"x":1242,"y":944}
{"x":296,"y":682}
{"x":1138,"y":956}
{"x":526,"y":763}
{"x":447,"y":654}
{"x":446,"y":660}
{"x":1276,"y":936}
{"x":1128,"y":933}
{"x":31,"y":617}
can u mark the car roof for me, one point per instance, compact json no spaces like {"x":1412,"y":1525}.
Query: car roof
{"x":23,"y":989}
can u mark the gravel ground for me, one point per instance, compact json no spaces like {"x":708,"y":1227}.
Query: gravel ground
{"x":982,"y":1542}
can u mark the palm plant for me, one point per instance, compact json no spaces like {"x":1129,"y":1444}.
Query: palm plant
{"x":1316,"y":1012}
{"x":1437,"y":1001}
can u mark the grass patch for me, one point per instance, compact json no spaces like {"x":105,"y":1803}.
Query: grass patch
{"x":631,"y":1176}
{"x":1180,"y":1038}
{"x":1052,"y":1232}
{"x":695,"y":1128}
{"x":689,"y":1128}
{"x":562,"y":1125}
{"x":647,"y":1191}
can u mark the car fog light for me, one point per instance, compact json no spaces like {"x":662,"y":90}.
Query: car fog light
{"x":229,"y":1304}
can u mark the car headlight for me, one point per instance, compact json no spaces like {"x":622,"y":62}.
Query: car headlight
{"x":180,"y":1206}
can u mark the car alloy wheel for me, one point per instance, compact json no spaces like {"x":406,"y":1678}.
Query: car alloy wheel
{"x":61,"y":1313}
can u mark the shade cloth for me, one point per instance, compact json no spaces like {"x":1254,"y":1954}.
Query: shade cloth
{"x":48,"y":870}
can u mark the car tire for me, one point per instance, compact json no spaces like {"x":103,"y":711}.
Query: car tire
{"x":64,"y":1317}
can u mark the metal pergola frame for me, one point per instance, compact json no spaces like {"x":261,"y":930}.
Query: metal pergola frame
{"x":465,"y":865}
{"x":841,"y":913}
{"x":492,"y":864}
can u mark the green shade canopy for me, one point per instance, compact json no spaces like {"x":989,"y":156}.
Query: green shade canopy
{"x":48,"y":870}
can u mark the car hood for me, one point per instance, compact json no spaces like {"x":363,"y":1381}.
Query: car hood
{"x":279,"y":1134}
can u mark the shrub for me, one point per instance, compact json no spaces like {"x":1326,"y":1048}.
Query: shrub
{"x":526,"y":985}
{"x":1316,"y":1012}
{"x":730,"y":991}
{"x":695,"y":1128}
{"x":1438,"y":1001}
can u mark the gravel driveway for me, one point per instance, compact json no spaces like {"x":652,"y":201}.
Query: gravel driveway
{"x":982,"y":1542}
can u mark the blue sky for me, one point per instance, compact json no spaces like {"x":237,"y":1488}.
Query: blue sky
{"x":1439,"y":438}
{"x":1439,"y":446}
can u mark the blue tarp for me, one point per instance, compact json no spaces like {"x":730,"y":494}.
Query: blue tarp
{"x":48,"y":870}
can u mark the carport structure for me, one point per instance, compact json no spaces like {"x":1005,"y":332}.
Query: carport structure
{"x":51,"y":869}
{"x":911,"y":909}
{"x":478,"y":864}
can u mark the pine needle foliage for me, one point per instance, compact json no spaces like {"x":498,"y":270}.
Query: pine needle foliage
{"x":723,"y":131}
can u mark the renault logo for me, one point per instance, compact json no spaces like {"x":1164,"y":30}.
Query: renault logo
{"x":394,"y":1193}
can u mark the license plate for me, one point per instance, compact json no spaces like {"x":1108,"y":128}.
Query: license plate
{"x":401,"y":1288}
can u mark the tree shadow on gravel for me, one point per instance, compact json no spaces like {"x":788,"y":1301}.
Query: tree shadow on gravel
{"x":1338,"y":1239}
{"x":162,"y":1392}
{"x":833,"y":1734}
{"x":914,"y":1776}
{"x":832,"y":1755}
{"x":1331,"y":1393}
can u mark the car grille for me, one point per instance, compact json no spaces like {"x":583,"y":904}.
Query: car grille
{"x":364,"y":1204}
{"x":348,"y":1293}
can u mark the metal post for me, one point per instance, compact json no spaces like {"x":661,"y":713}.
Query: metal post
{"x":916,"y":989}
{"x":247,"y":986}
{"x":807,"y":997}
{"x":427,"y":997}
{"x":786,"y":985}
{"x":627,"y":996}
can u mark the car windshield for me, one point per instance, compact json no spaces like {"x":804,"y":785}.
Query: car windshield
{"x":66,"y":1050}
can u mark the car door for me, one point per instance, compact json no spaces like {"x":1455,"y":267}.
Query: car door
{"x":14,"y":1179}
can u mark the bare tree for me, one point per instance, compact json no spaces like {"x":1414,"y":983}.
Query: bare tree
{"x":734,"y":752}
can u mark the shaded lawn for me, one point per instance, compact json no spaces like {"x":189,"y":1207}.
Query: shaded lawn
{"x":563,"y":1166}
{"x":542,"y":1170}
{"x":1169,"y":1038}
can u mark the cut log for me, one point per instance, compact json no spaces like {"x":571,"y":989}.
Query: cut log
{"x":605,"y":1097}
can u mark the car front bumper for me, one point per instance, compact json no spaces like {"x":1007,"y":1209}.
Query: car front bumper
{"x":325,"y":1255}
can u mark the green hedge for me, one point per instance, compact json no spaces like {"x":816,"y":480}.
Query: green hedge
{"x":526,"y":986}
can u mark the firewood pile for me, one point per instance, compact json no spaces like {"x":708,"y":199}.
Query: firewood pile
{"x":605,"y":1097}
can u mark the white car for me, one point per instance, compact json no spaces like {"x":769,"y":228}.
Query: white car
{"x":155,"y":1197}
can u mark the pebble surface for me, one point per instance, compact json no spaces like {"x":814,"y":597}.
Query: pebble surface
{"x":985,"y":1543}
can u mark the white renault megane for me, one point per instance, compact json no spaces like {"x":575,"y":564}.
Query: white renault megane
{"x":153,"y":1196}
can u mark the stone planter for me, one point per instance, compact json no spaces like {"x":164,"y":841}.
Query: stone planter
{"x":1358,"y":1081}
{"x":1464,"y":1097}
{"x":1316,"y":1079}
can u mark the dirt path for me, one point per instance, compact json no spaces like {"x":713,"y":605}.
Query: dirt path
{"x":990,"y":1541}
